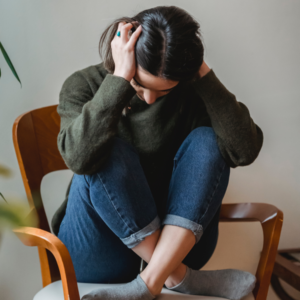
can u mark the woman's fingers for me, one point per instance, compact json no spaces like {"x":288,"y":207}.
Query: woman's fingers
{"x":134,"y":37}
{"x":124,"y":28}
{"x":124,"y":31}
{"x":123,"y":51}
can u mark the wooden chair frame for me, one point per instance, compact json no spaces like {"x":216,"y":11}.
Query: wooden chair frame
{"x":286,"y":270}
{"x":35,"y":141}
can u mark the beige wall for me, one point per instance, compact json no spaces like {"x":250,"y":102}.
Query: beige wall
{"x":252,"y":46}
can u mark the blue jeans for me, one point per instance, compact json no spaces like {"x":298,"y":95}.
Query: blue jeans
{"x":113,"y":210}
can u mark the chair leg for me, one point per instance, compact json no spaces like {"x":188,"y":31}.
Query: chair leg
{"x":278,"y":289}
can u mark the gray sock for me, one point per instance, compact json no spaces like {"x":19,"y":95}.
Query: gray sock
{"x":228,"y":283}
{"x":133,"y":290}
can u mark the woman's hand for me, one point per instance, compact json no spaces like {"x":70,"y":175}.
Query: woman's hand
{"x":123,"y":51}
{"x":204,"y":69}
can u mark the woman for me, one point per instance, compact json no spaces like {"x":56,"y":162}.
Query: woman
{"x":151,"y":134}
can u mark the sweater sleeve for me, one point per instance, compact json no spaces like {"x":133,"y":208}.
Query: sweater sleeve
{"x":239,"y":138}
{"x":89,"y":122}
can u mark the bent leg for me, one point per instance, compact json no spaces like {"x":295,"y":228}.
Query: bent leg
{"x":121,"y":196}
{"x":197,"y":188}
{"x":198,"y":184}
{"x":107,"y":214}
{"x":98,"y":255}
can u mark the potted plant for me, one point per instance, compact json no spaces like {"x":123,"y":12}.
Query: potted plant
{"x":12,"y":213}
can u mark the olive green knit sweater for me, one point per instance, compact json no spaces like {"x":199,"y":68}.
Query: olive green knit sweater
{"x":91,"y":102}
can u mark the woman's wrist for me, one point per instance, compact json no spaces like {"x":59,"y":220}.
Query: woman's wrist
{"x":126,"y":77}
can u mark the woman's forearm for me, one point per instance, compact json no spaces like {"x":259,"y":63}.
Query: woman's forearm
{"x":240,"y":139}
{"x":89,"y":122}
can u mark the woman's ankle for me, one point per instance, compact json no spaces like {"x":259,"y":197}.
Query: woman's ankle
{"x":176,"y":276}
{"x":153,"y":286}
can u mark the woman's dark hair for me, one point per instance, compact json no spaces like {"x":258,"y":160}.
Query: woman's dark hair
{"x":169,"y":45}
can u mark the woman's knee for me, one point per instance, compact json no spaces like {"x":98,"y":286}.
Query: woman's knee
{"x":122,"y":145}
{"x":204,"y":140}
{"x":121,"y":162}
{"x":123,"y":152}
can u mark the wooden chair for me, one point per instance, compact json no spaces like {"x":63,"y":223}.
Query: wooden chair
{"x":35,"y":141}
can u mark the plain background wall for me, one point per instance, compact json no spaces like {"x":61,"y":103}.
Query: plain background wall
{"x":252,"y":46}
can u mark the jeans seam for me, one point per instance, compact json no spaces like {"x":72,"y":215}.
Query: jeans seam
{"x":218,"y":182}
{"x":86,"y":180}
{"x":113,"y":203}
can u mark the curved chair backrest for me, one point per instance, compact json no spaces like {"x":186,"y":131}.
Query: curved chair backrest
{"x":35,"y":141}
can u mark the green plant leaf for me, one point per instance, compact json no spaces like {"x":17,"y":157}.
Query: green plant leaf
{"x":3,"y":197}
{"x":9,"y":62}
{"x":4,"y":171}
{"x":15,"y":214}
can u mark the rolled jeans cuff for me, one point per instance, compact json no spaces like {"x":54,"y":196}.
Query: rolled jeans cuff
{"x":136,"y":238}
{"x":196,"y":228}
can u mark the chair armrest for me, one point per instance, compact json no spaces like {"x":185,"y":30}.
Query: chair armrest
{"x":271,"y":219}
{"x":37,"y":237}
{"x":245,"y":212}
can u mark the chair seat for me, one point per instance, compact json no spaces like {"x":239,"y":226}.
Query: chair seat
{"x":54,"y":291}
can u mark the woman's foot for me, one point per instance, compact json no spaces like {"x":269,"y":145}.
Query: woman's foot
{"x":134,"y":290}
{"x":228,"y":283}
{"x":151,"y":282}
